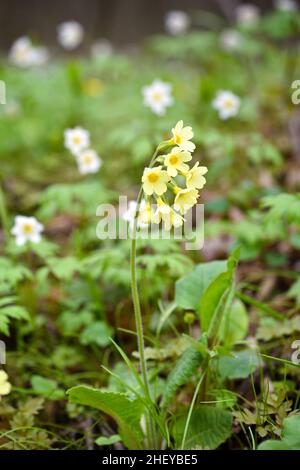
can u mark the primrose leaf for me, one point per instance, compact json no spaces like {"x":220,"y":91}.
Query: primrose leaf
{"x":190,"y":288}
{"x":208,"y":428}
{"x":184,"y":368}
{"x":127,"y":413}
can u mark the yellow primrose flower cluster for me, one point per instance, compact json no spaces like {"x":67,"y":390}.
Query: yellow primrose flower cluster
{"x":171,"y":200}
{"x":5,"y":386}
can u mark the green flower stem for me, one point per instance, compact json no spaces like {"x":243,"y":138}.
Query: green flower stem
{"x":136,"y":299}
{"x":136,"y":302}
{"x":3,"y":214}
{"x":139,"y":327}
{"x":137,"y":308}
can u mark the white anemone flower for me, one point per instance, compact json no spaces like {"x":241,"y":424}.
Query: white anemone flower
{"x":286,"y":5}
{"x":76,"y":139}
{"x":128,"y":215}
{"x":231,"y":40}
{"x":177,"y":22}
{"x":101,"y":48}
{"x":24,"y":54}
{"x":88,"y":162}
{"x":247,"y":14}
{"x":227,"y":104}
{"x":27,"y":229}
{"x":70,"y":34}
{"x":157,"y":96}
{"x":20,"y":52}
{"x":39,"y":55}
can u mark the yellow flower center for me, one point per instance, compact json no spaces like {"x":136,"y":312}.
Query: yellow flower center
{"x":76,"y":140}
{"x":152,"y":177}
{"x":88,"y":159}
{"x":27,"y":228}
{"x":173,"y":160}
{"x":228,"y":103}
{"x":156,"y":97}
{"x":178,"y":139}
{"x":21,"y":54}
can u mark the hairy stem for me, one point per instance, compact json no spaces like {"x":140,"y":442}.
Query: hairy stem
{"x":137,"y":307}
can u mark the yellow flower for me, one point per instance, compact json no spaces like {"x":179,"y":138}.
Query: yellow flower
{"x":172,"y":219}
{"x":182,"y":136}
{"x":155,"y":181}
{"x":92,"y":86}
{"x":146,"y":214}
{"x":5,"y":386}
{"x":174,"y":161}
{"x":161,"y":210}
{"x":195,"y":178}
{"x":185,"y":199}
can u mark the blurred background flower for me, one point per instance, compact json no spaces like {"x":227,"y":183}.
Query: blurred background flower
{"x":70,"y":34}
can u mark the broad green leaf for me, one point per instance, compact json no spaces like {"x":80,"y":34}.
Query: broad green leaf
{"x":218,"y":297}
{"x":291,"y":432}
{"x":189,"y":289}
{"x":290,"y":437}
{"x":208,"y":428}
{"x":273,"y":445}
{"x":214,"y":298}
{"x":240,"y":366}
{"x":225,"y":398}
{"x":127,"y":413}
{"x":235,"y":323}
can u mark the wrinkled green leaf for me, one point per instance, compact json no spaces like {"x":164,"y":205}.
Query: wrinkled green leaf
{"x":184,"y":368}
{"x":209,"y":427}
{"x":127,"y":413}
